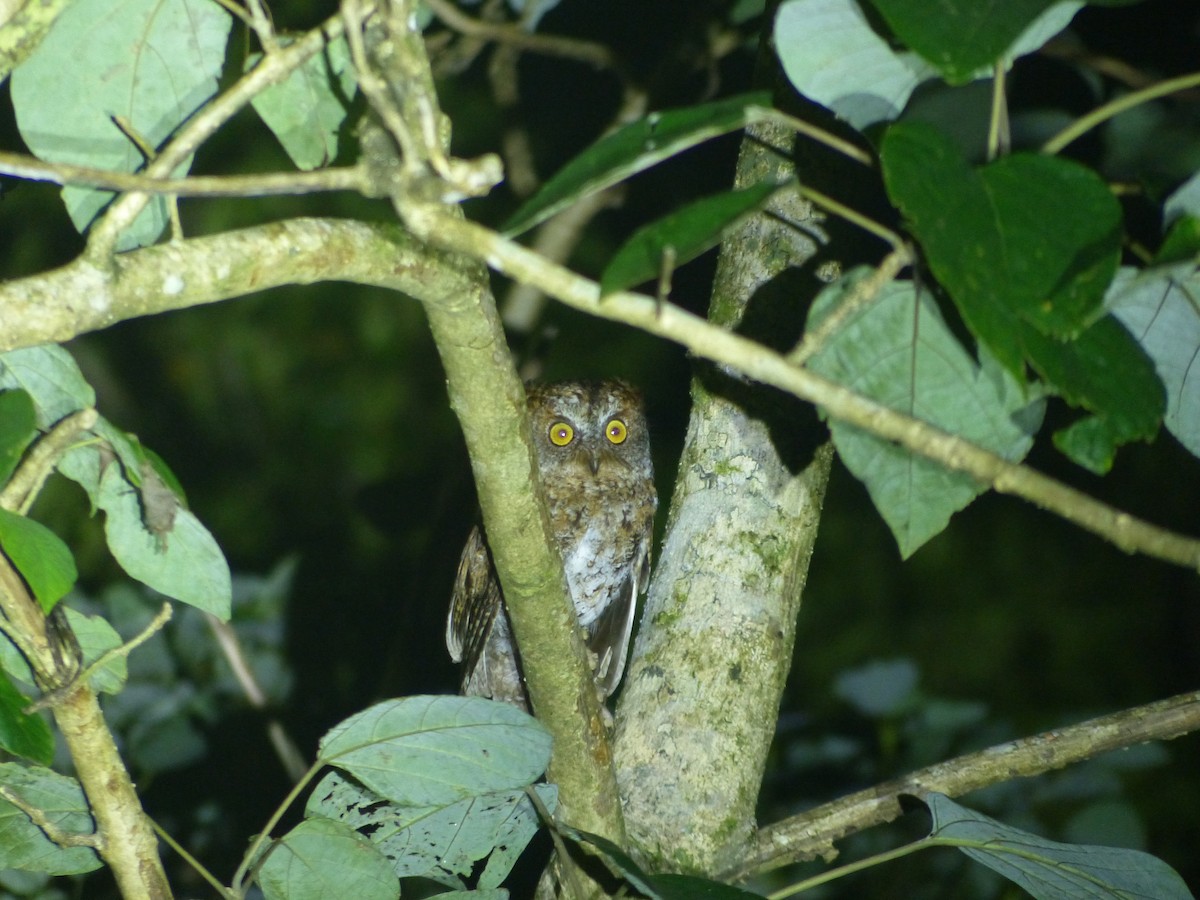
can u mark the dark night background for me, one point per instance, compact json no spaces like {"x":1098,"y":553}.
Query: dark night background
{"x":313,"y":423}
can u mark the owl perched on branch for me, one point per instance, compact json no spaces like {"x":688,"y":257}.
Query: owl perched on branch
{"x":593,"y":454}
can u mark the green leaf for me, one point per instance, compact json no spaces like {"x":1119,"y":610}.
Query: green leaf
{"x":632,"y":149}
{"x":320,"y":858}
{"x":1107,"y":373}
{"x":51,"y":377}
{"x":60,"y":799}
{"x":431,"y":751}
{"x":152,"y":62}
{"x":307,"y":110}
{"x":1028,"y":239}
{"x":96,"y":637}
{"x":688,"y":232}
{"x":1047,"y":869}
{"x":963,"y":35}
{"x":1182,"y":243}
{"x":1061,"y":231}
{"x":18,"y":425}
{"x":185,"y":563}
{"x":43,"y":560}
{"x":1161,"y":309}
{"x":442,"y":843}
{"x":899,"y":352}
{"x":22,"y":735}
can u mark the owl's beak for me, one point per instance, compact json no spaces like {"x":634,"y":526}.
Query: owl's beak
{"x":593,"y":461}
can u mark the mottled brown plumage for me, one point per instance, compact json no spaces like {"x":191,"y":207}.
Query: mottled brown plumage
{"x":594,"y":459}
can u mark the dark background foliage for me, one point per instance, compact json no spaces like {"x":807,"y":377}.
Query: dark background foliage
{"x":312,"y":423}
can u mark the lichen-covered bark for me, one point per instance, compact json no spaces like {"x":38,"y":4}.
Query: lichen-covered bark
{"x":699,"y":705}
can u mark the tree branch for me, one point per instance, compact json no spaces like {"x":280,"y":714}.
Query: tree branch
{"x":811,"y":834}
{"x":763,"y":364}
{"x":346,"y":178}
{"x":487,"y":396}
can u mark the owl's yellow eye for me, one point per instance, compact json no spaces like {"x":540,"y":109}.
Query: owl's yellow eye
{"x":615,"y":431}
{"x":561,"y":434}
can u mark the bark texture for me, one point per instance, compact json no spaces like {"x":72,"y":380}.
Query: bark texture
{"x":699,"y":706}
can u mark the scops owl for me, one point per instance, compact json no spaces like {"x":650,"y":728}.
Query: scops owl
{"x":593,"y":455}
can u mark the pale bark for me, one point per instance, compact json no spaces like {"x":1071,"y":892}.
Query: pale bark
{"x":698,"y":711}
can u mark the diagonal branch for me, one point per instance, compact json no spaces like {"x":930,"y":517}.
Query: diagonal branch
{"x":763,"y":364}
{"x":812,"y":833}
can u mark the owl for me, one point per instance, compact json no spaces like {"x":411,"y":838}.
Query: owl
{"x":593,"y":455}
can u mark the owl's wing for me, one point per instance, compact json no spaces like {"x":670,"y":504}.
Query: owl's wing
{"x":473,"y":605}
{"x":609,"y":639}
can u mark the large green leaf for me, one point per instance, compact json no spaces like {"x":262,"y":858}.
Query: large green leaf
{"x":25,"y":846}
{"x":184,"y":562}
{"x":442,"y":843}
{"x":1029,"y":238}
{"x":1047,"y":869}
{"x":684,"y":234}
{"x":960,"y":36}
{"x":23,"y":735}
{"x":431,"y":751}
{"x":18,"y":425}
{"x":321,"y":858}
{"x":632,"y":149}
{"x":43,"y":560}
{"x":152,"y":62}
{"x":306,"y":111}
{"x":899,"y":352}
{"x":1161,"y":308}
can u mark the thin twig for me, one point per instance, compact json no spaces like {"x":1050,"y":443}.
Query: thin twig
{"x":51,"y":698}
{"x":285,"y":748}
{"x":197,"y":866}
{"x":1102,"y":114}
{"x":346,"y":178}
{"x":22,"y":489}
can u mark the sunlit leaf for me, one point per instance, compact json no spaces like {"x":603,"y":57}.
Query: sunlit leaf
{"x":632,"y":149}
